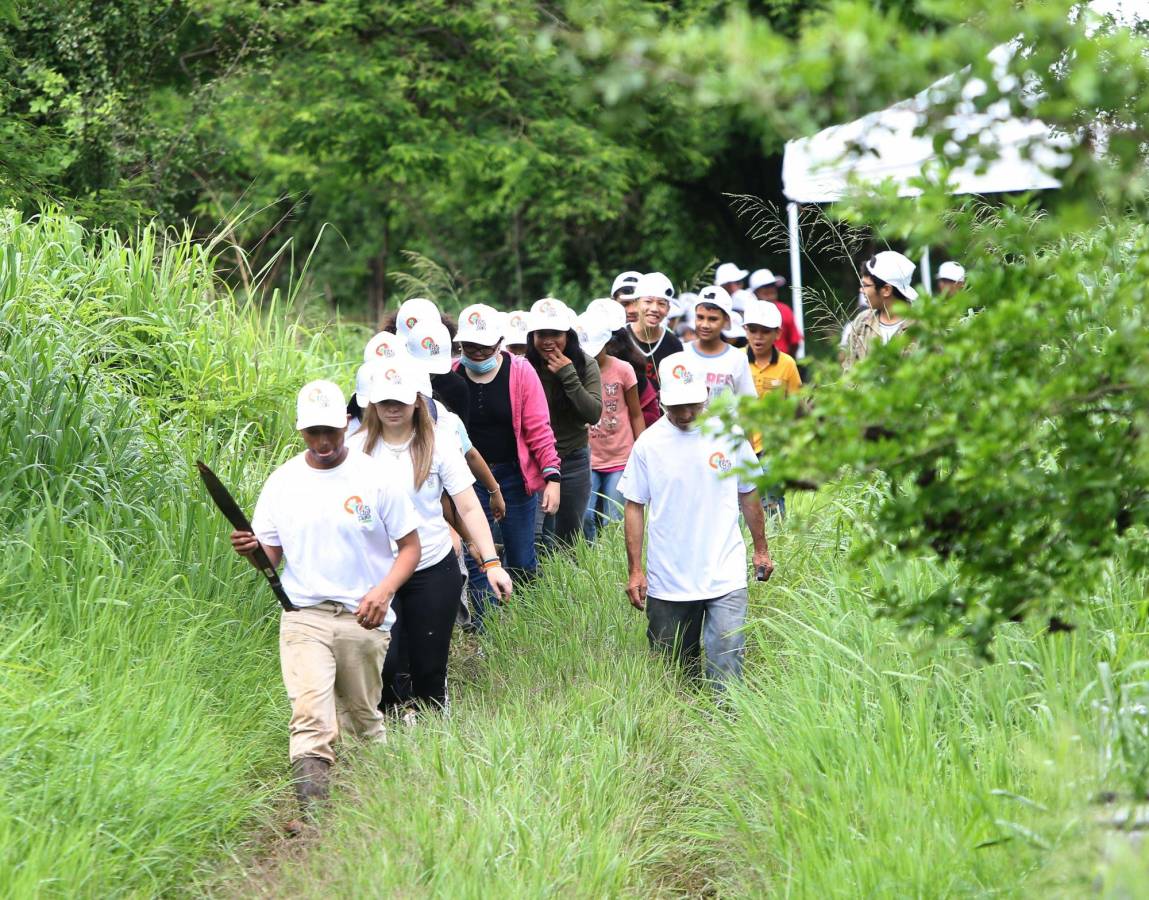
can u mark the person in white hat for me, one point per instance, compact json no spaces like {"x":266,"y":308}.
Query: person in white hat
{"x":735,"y":335}
{"x":684,"y":490}
{"x":510,"y":426}
{"x":722,"y":367}
{"x":332,"y":518}
{"x":765,"y":285}
{"x":400,"y":436}
{"x":951,"y":278}
{"x":685,"y":329}
{"x":648,"y":334}
{"x":886,"y":282}
{"x":612,"y":437}
{"x":573,"y":388}
{"x":415,"y":311}
{"x":515,"y":332}
{"x":730,"y":277}
{"x":622,"y":292}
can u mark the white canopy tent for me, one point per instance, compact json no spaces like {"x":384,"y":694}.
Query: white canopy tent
{"x":1020,"y":155}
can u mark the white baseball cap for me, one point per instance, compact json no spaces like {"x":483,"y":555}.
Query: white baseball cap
{"x":413,"y":312}
{"x":363,"y":384}
{"x":429,"y":344}
{"x":625,"y":283}
{"x":762,"y":278}
{"x":655,"y":284}
{"x":715,"y":296}
{"x":951,"y":271}
{"x":728,"y":272}
{"x":895,"y":270}
{"x":320,"y":405}
{"x":550,"y":314}
{"x":735,"y":330}
{"x":680,"y":380}
{"x":687,"y":301}
{"x":480,"y":324}
{"x":762,"y":313}
{"x":594,"y":332}
{"x":610,"y":311}
{"x":740,"y":299}
{"x":384,"y":345}
{"x":393,"y":381}
{"x":515,"y":325}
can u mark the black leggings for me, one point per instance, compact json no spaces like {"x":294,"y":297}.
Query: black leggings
{"x":425,"y":607}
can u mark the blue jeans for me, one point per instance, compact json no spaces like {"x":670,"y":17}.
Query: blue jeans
{"x":518,"y":530}
{"x":559,"y":530}
{"x":605,"y":503}
{"x":683,"y":628}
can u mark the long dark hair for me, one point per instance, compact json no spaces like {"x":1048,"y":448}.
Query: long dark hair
{"x":620,"y":346}
{"x":573,"y":352}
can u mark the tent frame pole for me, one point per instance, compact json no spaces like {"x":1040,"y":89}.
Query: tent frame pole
{"x":796,"y":275}
{"x":927,"y":274}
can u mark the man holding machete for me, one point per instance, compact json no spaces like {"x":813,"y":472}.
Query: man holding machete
{"x":331,"y":516}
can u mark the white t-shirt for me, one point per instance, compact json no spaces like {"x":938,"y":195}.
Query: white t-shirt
{"x":453,"y":428}
{"x":448,"y":472}
{"x":694,"y":546}
{"x":336,"y":528}
{"x":888,"y":332}
{"x":725,"y":371}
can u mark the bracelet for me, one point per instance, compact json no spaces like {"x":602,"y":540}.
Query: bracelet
{"x":488,"y":564}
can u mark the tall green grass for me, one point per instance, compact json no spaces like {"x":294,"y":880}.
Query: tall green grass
{"x":143,"y":726}
{"x":857,"y":759}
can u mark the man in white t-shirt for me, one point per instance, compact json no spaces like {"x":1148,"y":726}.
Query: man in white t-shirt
{"x":886,"y":282}
{"x":332,"y":516}
{"x":688,"y":487}
{"x":724,"y":367}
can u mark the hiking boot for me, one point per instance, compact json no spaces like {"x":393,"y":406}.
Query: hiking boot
{"x":312,"y":776}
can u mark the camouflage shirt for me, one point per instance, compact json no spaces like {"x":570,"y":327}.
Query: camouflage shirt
{"x":862,"y":333}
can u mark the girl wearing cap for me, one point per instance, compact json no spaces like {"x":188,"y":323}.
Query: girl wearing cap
{"x":332,"y":517}
{"x":612,"y":438}
{"x":723,"y":367}
{"x":511,"y":428}
{"x":573,"y":388}
{"x":649,"y":336}
{"x":885,"y":282}
{"x":400,"y":435}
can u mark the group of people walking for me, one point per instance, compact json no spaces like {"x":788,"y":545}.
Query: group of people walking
{"x":469,"y":447}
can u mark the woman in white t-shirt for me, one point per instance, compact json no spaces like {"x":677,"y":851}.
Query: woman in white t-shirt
{"x":400,"y":435}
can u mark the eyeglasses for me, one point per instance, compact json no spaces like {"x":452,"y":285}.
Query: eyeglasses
{"x":478,"y":351}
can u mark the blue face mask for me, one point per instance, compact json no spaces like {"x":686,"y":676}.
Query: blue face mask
{"x":480,"y":368}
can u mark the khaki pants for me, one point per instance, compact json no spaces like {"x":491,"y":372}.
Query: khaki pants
{"x":332,"y":671}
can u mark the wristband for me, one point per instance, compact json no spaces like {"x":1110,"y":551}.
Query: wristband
{"x":489,"y":564}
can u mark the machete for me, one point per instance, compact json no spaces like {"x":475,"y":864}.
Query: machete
{"x":234,"y":514}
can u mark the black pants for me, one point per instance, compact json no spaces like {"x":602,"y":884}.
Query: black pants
{"x":416,"y":666}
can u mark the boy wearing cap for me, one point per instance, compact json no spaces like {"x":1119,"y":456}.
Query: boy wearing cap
{"x":622,"y":292}
{"x":951,"y":278}
{"x":764,"y":285}
{"x":885,"y":281}
{"x":688,"y":486}
{"x":648,"y":334}
{"x":331,"y":516}
{"x":721,"y":365}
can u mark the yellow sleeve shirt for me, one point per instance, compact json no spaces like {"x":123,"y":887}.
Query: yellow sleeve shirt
{"x":782,"y":373}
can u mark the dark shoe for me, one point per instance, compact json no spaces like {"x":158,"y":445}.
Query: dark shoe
{"x":312,"y":776}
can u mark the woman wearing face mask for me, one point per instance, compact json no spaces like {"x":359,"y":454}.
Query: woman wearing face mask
{"x":510,"y":426}
{"x":573,"y":388}
{"x":400,"y":436}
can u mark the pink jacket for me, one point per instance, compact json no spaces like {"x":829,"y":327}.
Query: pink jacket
{"x":531,"y":420}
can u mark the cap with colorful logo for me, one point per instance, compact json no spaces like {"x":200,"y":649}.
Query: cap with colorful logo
{"x":413,"y":312}
{"x":320,"y":405}
{"x":550,"y":314}
{"x":384,"y":345}
{"x":480,"y":324}
{"x":895,"y":270}
{"x":429,"y":344}
{"x":393,"y":381}
{"x":728,"y":272}
{"x":515,"y":326}
{"x":680,"y":380}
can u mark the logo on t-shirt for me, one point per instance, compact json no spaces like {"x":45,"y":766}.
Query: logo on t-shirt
{"x":411,"y":322}
{"x":476,"y":319}
{"x":719,"y":462}
{"x":356,"y":507}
